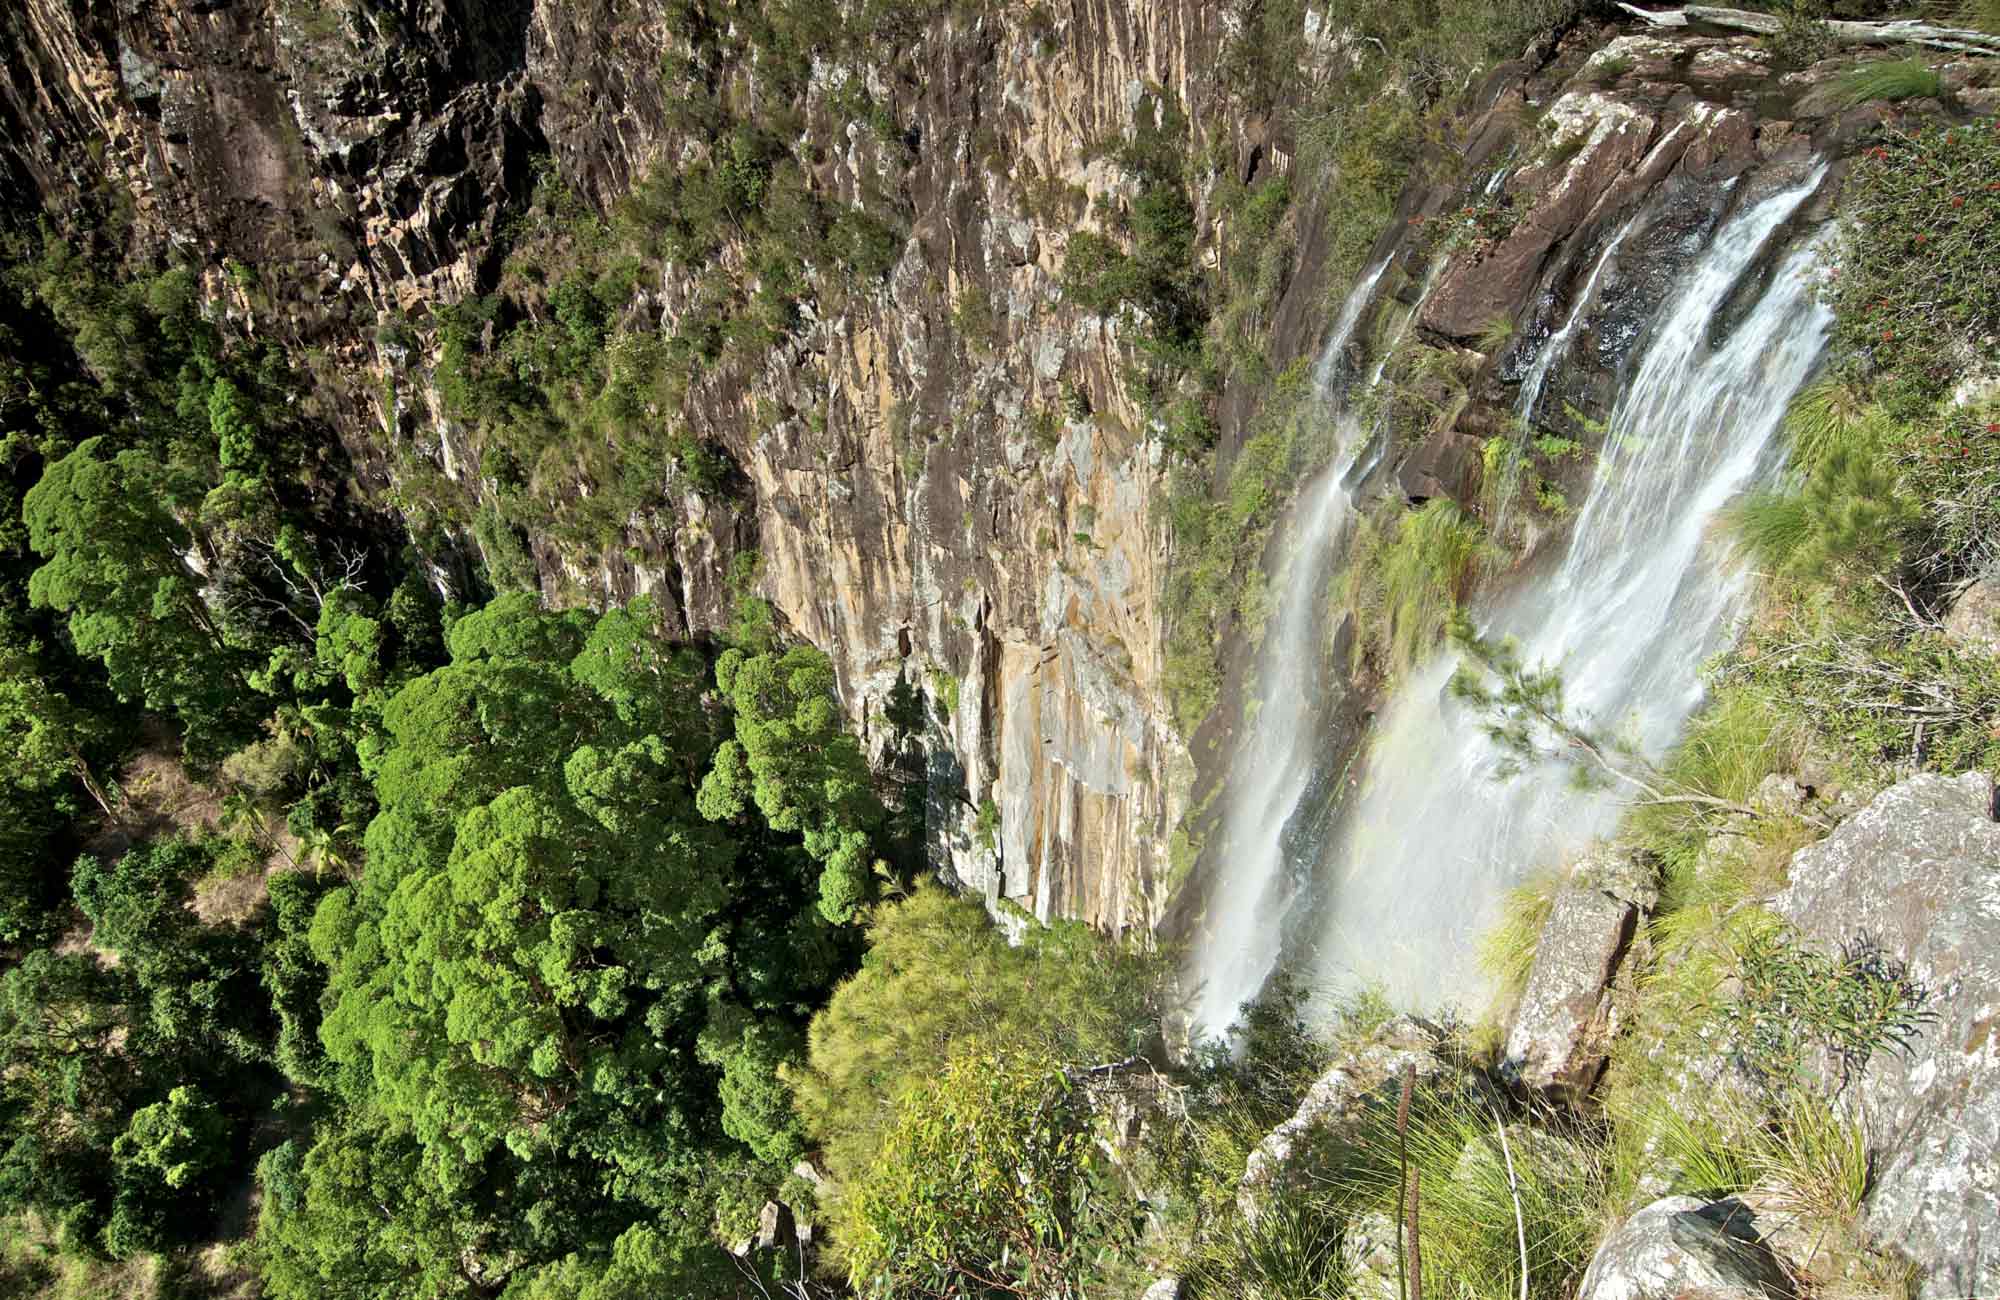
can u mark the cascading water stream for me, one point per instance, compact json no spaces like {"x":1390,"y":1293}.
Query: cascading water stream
{"x":1277,"y":764}
{"x":1640,"y":600}
{"x":1423,"y":850}
{"x":1557,"y":347}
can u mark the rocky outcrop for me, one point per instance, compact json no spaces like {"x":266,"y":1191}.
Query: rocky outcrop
{"x":1681,"y":1248}
{"x":1916,"y":876}
{"x":1974,"y":621}
{"x":1369,"y":1250}
{"x":1366,"y":1075}
{"x":1621,"y":128}
{"x":1563,"y":1028}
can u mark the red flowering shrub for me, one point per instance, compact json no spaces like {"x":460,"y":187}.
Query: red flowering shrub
{"x":1917,"y":293}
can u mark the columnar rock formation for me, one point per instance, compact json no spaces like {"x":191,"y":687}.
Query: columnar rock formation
{"x":969,"y":510}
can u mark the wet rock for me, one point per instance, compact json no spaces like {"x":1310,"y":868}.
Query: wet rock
{"x":1366,"y":1075}
{"x":142,"y":76}
{"x":1563,"y":1028}
{"x":1446,"y":464}
{"x":1916,"y":874}
{"x":1443,"y":465}
{"x":1612,"y":138}
{"x":1680,"y":1248}
{"x":1974,"y":622}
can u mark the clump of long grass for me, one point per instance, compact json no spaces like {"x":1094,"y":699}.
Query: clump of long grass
{"x":1805,"y":1159}
{"x":1891,"y":80}
{"x":1403,"y":581}
{"x":1291,"y":1252}
{"x":1470,"y":1239}
{"x":1984,"y":15}
{"x":1734,"y":743}
{"x":1507,"y":950}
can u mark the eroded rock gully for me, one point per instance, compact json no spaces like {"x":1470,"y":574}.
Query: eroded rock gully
{"x":973,"y":516}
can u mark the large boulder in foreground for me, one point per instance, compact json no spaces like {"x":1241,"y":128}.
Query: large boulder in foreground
{"x":1562,"y":1030}
{"x":1683,"y":1247}
{"x":1917,"y":872}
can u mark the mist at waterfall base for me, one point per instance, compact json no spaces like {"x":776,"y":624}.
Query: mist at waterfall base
{"x":1410,"y":873}
{"x":1279,"y":764}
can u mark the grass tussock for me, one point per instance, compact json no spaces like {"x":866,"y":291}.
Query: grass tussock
{"x":1467,"y":1228}
{"x":1507,"y":951}
{"x":1890,"y":80}
{"x":1405,"y":578}
{"x":1982,"y":15}
{"x":1808,"y":1159}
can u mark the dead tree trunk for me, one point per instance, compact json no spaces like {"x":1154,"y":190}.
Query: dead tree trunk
{"x":1903,"y":31}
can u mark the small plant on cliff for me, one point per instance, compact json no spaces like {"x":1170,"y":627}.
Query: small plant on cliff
{"x":986,"y":827}
{"x":1805,"y":1016}
{"x":1404,"y":580}
{"x":1477,"y":226}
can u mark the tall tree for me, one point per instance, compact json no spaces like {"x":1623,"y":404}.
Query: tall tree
{"x":43,"y":735}
{"x":115,"y":566}
{"x":792,"y":758}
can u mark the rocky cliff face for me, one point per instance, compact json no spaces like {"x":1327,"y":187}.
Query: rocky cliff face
{"x":950,"y":476}
{"x":913,"y":515}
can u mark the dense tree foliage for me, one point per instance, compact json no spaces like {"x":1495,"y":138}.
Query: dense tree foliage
{"x":938,"y":973}
{"x":541,"y":902}
{"x":987,"y":1184}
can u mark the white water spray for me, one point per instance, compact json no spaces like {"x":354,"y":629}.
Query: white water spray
{"x":1277,"y":762}
{"x":1640,"y":600}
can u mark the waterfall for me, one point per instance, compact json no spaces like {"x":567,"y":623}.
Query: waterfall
{"x":1395,"y":892}
{"x":1640,"y":599}
{"x":1279,"y":760}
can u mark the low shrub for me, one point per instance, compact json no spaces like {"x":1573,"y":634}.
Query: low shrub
{"x":1912,"y":289}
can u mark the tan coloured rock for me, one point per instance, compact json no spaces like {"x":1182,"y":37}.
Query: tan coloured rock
{"x":1974,"y":621}
{"x":1562,"y":1030}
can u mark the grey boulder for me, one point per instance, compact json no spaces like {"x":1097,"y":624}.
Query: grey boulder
{"x":1682,"y":1248}
{"x":1918,"y":873}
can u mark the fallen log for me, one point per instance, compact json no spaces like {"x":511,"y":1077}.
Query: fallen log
{"x":1901,"y":31}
